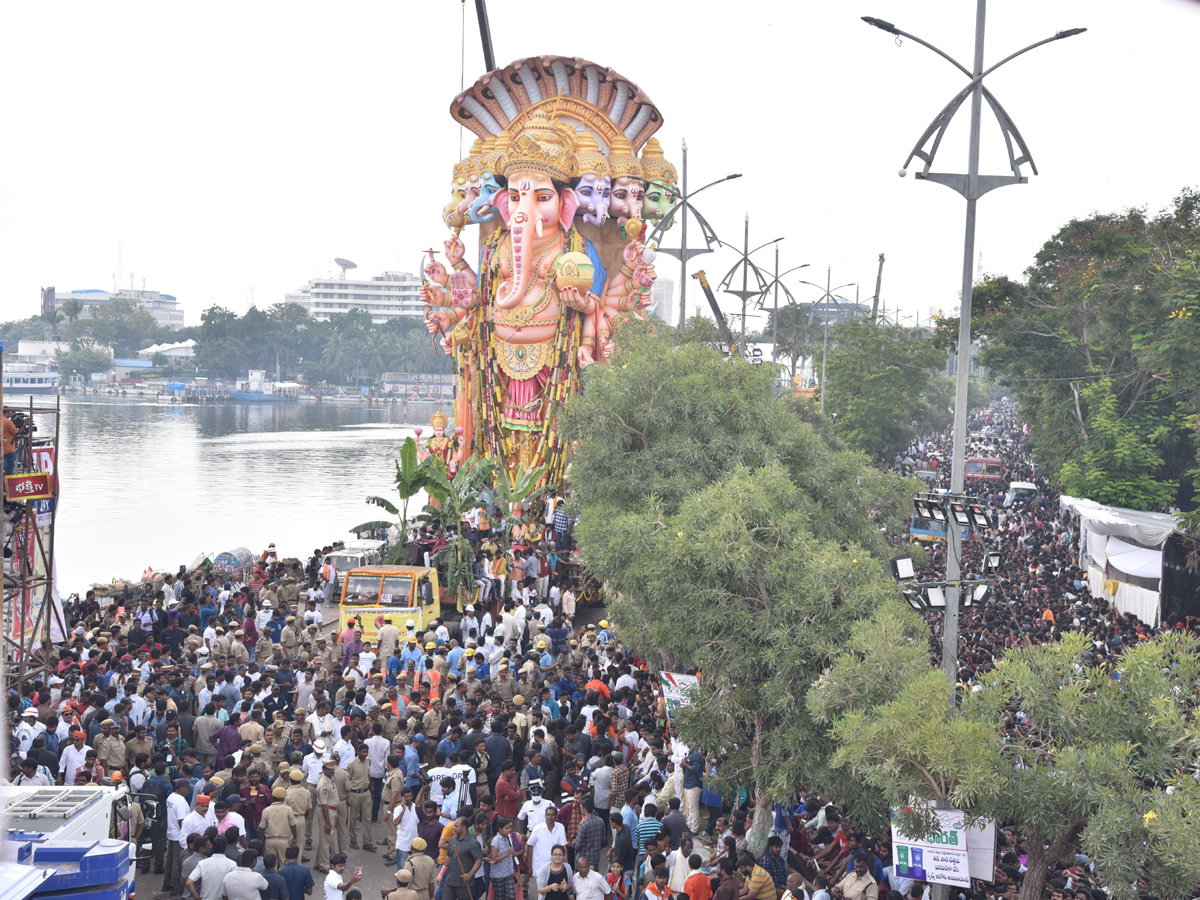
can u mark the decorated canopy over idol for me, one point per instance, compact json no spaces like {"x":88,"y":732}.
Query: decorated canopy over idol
{"x":554,"y":198}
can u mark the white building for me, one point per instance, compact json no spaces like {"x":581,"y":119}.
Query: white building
{"x":385,"y":296}
{"x":178,"y":354}
{"x":163,"y":307}
{"x":662,"y":300}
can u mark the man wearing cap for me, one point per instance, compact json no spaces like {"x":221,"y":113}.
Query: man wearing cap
{"x":403,"y":891}
{"x":412,"y":653}
{"x":326,"y":815}
{"x":279,"y":824}
{"x":423,"y":868}
{"x":388,"y":639}
{"x":359,"y":773}
{"x":300,"y":800}
{"x":28,"y":730}
{"x":110,"y":748}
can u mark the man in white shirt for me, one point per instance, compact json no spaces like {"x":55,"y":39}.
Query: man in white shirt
{"x":589,"y":884}
{"x":336,"y":882}
{"x":406,"y":819}
{"x":344,"y":750}
{"x":544,"y":837}
{"x":243,"y":883}
{"x":177,"y":811}
{"x":29,"y":728}
{"x":464,"y":776}
{"x":436,"y":774}
{"x":73,"y":757}
{"x":210,"y":874}
{"x":534,"y":809}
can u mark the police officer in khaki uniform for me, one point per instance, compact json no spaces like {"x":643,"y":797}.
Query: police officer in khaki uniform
{"x":393,"y":789}
{"x":342,"y":779}
{"x":328,"y":800}
{"x":279,"y":825}
{"x":300,"y":801}
{"x":289,"y":640}
{"x":110,"y":748}
{"x":423,"y":868}
{"x":359,"y":772}
{"x":237,"y":649}
{"x":403,"y":891}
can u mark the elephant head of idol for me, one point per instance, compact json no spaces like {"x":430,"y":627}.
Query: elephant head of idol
{"x":483,"y":207}
{"x":627,"y":183}
{"x":538,"y":205}
{"x":451,"y":214}
{"x":662,"y":183}
{"x":594,"y":186}
{"x":473,"y":164}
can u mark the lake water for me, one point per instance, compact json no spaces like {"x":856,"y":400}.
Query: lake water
{"x":157,"y":484}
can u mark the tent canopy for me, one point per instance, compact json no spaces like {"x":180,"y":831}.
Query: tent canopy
{"x":1144,"y":528}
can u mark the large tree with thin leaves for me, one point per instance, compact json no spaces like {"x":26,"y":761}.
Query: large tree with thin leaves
{"x":732,"y":539}
{"x":1080,"y":758}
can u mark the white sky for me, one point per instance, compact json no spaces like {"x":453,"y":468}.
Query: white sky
{"x":233,"y":149}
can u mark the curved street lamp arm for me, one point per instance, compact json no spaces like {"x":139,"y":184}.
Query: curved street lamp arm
{"x":665,"y":222}
{"x":942,"y":121}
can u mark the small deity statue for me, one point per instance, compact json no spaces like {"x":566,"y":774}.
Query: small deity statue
{"x":440,"y":445}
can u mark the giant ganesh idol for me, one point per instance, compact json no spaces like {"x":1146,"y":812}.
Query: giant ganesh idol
{"x":553,"y":191}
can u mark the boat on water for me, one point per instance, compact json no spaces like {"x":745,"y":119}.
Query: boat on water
{"x":255,"y":388}
{"x":28,"y":378}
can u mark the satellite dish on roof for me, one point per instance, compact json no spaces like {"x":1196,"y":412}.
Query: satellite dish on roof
{"x":345,"y":264}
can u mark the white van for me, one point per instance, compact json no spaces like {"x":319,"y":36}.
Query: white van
{"x":1020,"y":492}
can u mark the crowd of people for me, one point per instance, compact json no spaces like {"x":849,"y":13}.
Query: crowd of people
{"x":515,"y":751}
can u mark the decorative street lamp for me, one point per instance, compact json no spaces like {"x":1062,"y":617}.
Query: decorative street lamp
{"x":683,"y":254}
{"x":747,"y":266}
{"x":825,"y":298}
{"x":972,"y":186}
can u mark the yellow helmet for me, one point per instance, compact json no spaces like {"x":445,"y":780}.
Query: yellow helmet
{"x":604,"y":623}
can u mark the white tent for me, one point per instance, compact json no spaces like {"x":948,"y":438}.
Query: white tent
{"x":1122,"y":552}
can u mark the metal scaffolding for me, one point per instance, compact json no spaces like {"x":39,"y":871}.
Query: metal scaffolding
{"x":29,"y":611}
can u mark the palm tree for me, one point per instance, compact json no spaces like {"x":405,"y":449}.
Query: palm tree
{"x":338,"y":354}
{"x":72,"y":309}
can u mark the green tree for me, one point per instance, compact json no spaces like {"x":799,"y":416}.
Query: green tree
{"x":704,"y":501}
{"x":159,"y":360}
{"x":412,"y":478}
{"x":84,"y":358}
{"x":1048,"y":741}
{"x":796,"y":328}
{"x":1108,"y":299}
{"x":72,"y":309}
{"x":877,"y":377}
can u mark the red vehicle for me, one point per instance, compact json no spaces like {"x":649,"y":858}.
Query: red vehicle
{"x":984,"y":468}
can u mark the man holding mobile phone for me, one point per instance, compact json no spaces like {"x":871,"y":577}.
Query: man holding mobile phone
{"x":336,"y":882}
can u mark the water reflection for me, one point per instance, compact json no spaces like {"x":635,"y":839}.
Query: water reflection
{"x":157,"y":484}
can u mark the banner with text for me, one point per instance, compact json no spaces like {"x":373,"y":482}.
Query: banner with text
{"x":938,"y":858}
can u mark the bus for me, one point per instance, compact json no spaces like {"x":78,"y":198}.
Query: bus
{"x":373,"y":594}
{"x":984,"y":468}
{"x":921,"y":530}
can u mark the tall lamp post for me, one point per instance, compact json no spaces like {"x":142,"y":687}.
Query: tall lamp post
{"x":776,"y":284}
{"x":747,"y":266}
{"x":972,"y":186}
{"x":683,"y":254}
{"x":825,"y":298}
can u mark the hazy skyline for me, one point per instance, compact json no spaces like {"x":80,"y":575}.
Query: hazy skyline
{"x":232,"y":151}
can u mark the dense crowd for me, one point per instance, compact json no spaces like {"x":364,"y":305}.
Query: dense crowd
{"x":511,"y":752}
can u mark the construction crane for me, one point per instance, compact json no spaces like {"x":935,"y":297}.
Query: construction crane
{"x":722,"y":326}
{"x":875,"y":300}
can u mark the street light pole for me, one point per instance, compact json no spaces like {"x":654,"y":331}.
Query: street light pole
{"x":825,"y":336}
{"x":746,"y":275}
{"x":681,"y":207}
{"x":958,"y":457}
{"x":683,"y":253}
{"x":971,"y":186}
